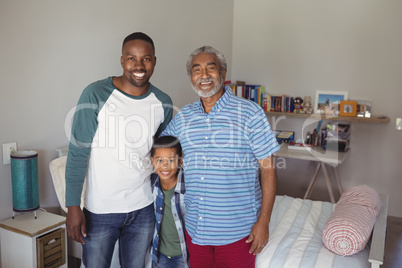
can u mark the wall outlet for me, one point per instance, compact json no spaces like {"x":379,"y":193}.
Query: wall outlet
{"x":398,"y":124}
{"x":7,"y":149}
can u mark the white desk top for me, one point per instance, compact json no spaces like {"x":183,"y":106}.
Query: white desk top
{"x":26,"y":223}
{"x":316,"y":154}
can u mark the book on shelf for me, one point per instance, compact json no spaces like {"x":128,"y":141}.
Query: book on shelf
{"x":289,"y":106}
{"x":240,"y":85}
{"x":278,"y":104}
{"x":299,"y":146}
{"x":283,"y":104}
{"x":258,"y":94}
{"x":253,"y":93}
{"x":261,"y":92}
{"x":267,"y":102}
{"x":239,"y":92}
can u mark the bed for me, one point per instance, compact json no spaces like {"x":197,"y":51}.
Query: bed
{"x":295,"y":240}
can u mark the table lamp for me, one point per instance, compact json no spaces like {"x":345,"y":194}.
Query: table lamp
{"x":24,"y":175}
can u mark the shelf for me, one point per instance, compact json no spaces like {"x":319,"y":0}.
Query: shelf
{"x":373,"y":119}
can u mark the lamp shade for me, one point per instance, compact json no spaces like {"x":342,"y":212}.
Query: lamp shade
{"x":24,"y":175}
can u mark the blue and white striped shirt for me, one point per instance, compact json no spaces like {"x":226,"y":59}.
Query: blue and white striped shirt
{"x":221,"y":153}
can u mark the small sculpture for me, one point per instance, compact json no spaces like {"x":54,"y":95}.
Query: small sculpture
{"x":298,"y":105}
{"x":307,"y":108}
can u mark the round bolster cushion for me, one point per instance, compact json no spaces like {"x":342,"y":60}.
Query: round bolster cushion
{"x":349,"y":228}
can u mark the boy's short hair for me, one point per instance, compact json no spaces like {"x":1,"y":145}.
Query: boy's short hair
{"x":167,"y":142}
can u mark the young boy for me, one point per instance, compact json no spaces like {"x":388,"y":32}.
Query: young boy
{"x":169,"y":244}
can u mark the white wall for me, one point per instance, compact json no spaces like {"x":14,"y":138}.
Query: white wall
{"x":50,"y":50}
{"x":297,"y":47}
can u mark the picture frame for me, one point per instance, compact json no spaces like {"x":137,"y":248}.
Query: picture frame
{"x":363,"y":108}
{"x":348,"y":108}
{"x":328,"y":102}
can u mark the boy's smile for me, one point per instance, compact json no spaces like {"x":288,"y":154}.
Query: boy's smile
{"x":166,"y":164}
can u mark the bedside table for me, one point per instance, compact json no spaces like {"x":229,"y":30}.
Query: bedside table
{"x":30,"y":242}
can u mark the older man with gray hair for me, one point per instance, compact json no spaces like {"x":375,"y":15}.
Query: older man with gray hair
{"x":225,"y":140}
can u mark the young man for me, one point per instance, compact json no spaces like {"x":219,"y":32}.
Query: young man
{"x":114,"y":124}
{"x":225,"y":140}
{"x":169,"y":247}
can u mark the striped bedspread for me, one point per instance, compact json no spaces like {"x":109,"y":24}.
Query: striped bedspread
{"x":296,"y":237}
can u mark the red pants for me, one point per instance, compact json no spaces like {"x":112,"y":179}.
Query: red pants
{"x":235,"y":255}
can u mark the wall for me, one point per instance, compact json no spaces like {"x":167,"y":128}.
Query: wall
{"x":297,"y":47}
{"x":51,"y":50}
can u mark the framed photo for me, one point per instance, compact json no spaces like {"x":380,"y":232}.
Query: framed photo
{"x":328,"y":102}
{"x":363,"y":108}
{"x":348,"y":108}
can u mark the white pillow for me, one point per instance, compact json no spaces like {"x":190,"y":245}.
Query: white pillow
{"x":58,"y":170}
{"x":350,"y":225}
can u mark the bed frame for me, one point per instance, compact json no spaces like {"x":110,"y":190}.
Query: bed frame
{"x":376,"y":256}
{"x":296,"y":239}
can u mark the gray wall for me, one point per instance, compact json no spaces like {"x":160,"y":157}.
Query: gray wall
{"x":298,"y":47}
{"x":50,"y":50}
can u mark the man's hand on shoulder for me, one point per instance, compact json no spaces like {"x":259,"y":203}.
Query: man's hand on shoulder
{"x":76,"y":224}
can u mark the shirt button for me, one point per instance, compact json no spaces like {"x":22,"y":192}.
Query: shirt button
{"x":201,"y":198}
{"x":207,"y":119}
{"x":161,"y":208}
{"x":206,"y":138}
{"x":204,"y":157}
{"x":200,"y":218}
{"x":202,"y":178}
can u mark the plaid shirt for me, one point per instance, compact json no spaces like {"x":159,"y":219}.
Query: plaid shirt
{"x":178,"y":211}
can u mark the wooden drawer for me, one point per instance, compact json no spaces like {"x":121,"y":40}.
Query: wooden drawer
{"x":51,"y":249}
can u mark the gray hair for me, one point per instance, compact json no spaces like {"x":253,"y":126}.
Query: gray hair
{"x":207,"y":50}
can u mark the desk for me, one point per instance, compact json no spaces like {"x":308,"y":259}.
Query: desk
{"x":324,"y":158}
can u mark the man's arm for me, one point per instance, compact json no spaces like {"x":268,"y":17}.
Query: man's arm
{"x":75,"y":175}
{"x":260,"y":232}
{"x":82,"y":133}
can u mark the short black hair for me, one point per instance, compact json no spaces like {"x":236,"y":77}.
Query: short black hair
{"x":167,"y":142}
{"x":141,"y":36}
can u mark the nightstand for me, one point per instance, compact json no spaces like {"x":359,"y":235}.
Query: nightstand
{"x":30,"y":242}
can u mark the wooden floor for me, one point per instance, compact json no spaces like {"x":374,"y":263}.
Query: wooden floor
{"x":393,"y":246}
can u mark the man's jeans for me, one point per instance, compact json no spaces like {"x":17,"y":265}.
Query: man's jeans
{"x":134,"y":230}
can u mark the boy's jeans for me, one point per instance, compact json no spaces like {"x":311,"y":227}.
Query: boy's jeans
{"x":134,"y":231}
{"x":166,"y":262}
